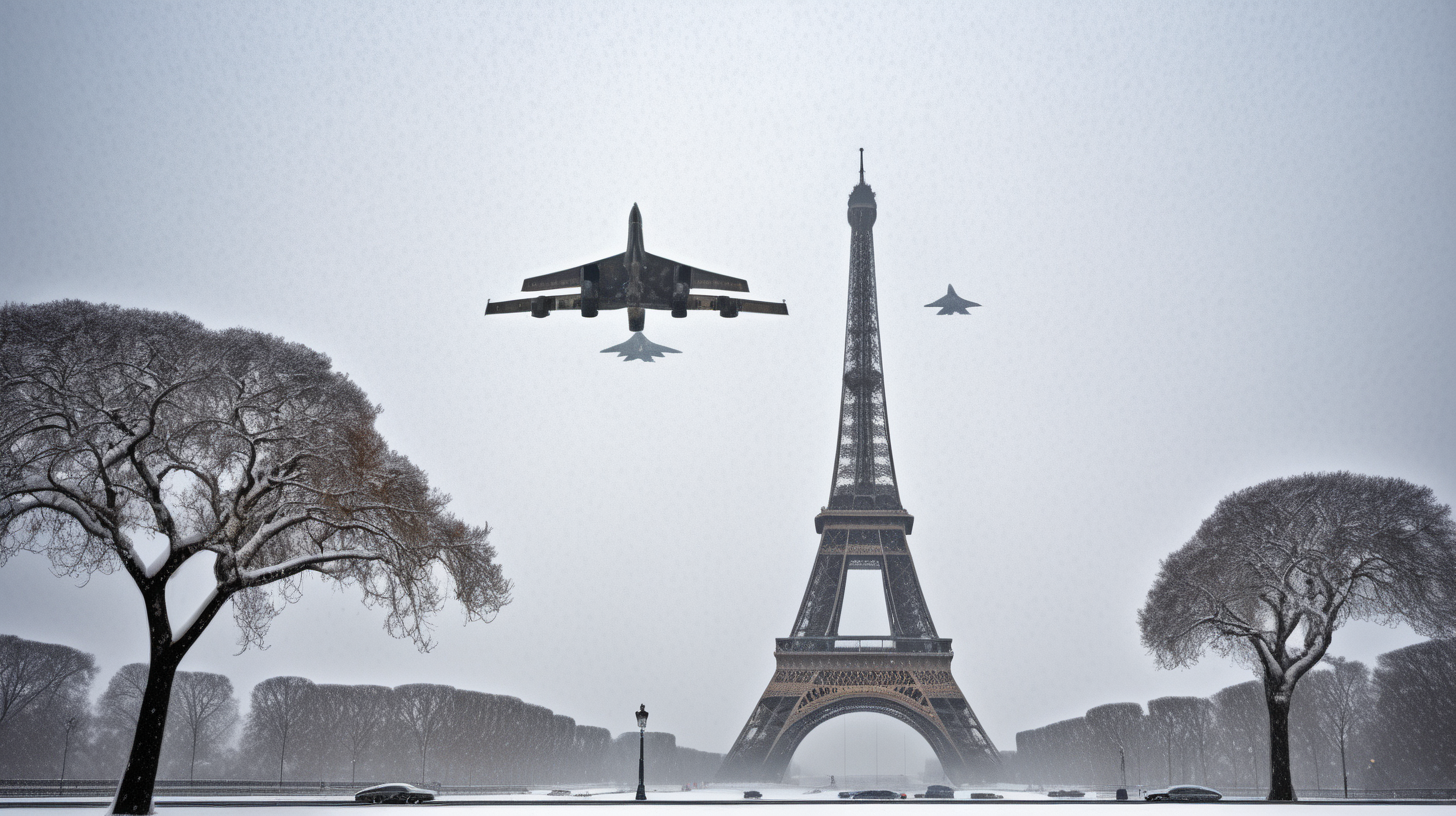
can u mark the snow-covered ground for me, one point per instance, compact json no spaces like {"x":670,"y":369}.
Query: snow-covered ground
{"x":776,"y":799}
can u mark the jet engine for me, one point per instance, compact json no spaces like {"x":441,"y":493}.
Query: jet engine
{"x":727,"y":306}
{"x":682,"y":282}
{"x":539,"y":307}
{"x":591,"y":275}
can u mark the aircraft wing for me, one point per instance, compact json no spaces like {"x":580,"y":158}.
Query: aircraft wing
{"x":951,"y":302}
{"x":761,"y":307}
{"x":566,"y":278}
{"x":710,"y":302}
{"x":552,"y":303}
{"x":701,"y":278}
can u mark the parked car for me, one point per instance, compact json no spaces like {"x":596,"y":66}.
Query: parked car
{"x":939,"y":792}
{"x":1183,"y":793}
{"x":752,"y":795}
{"x":876,"y":794}
{"x":394,"y":793}
{"x":1066,"y":794}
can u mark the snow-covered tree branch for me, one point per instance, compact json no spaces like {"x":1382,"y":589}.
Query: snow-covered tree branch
{"x":123,"y":428}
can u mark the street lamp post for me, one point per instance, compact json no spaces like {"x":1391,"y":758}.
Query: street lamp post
{"x":70,"y":724}
{"x":642,"y":753}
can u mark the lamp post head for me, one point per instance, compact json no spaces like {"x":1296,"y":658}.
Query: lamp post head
{"x":642,"y":717}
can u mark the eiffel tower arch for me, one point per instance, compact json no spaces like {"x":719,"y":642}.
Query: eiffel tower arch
{"x":821,"y":672}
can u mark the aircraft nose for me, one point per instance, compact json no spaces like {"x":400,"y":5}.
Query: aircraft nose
{"x":636,"y":216}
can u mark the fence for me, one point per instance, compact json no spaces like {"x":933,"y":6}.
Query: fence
{"x":226,"y":787}
{"x":241,"y":787}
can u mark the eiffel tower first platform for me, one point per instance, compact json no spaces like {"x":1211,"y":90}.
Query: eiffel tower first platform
{"x":822,"y":673}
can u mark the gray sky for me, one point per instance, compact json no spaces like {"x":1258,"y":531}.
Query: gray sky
{"x":1214,"y":242}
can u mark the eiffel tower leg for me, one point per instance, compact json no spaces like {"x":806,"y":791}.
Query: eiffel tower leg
{"x":747,"y":760}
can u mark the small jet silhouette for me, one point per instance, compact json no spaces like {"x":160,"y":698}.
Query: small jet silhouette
{"x":951,"y":303}
{"x":638,"y":347}
{"x":634,"y":280}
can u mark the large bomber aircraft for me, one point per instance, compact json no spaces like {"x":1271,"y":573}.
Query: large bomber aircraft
{"x":635,"y":281}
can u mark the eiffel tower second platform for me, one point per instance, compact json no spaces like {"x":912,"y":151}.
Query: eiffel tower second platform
{"x":821,"y":673}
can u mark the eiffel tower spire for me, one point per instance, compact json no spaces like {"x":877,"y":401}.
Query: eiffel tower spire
{"x":822,"y":672}
{"x":864,"y":467}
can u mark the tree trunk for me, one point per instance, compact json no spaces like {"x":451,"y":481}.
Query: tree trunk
{"x":1281,"y":782}
{"x":134,"y":794}
{"x":65,"y":754}
{"x":1202,"y":761}
{"x":1169,"y":741}
{"x":1314,"y":751}
{"x":1344,"y":772}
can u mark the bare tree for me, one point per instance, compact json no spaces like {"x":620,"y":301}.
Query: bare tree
{"x":424,"y":709}
{"x":1177,"y":722}
{"x":1117,"y":725}
{"x":206,"y":712}
{"x":365,"y":710}
{"x":1294,"y":559}
{"x":1413,"y":729}
{"x":121,"y":426}
{"x":1197,"y":727}
{"x":327,"y":723}
{"x":1346,"y":705}
{"x":71,"y":715}
{"x":34,"y":673}
{"x":116,"y":714}
{"x":1242,"y":719}
{"x":1306,"y":715}
{"x":278,"y":714}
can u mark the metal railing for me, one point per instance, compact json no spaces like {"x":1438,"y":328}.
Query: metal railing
{"x":231,"y":787}
{"x":103,"y":788}
{"x":1231,"y":792}
{"x":863,"y":643}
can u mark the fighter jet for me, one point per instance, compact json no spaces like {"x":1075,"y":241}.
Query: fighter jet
{"x":638,"y":347}
{"x":635,"y":281}
{"x":951,"y":304}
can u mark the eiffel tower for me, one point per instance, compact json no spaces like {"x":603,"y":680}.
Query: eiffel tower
{"x":822,"y":673}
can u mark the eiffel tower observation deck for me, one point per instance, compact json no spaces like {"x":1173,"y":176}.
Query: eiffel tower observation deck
{"x":821,"y":672}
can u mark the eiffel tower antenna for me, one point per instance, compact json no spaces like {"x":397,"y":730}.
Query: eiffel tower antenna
{"x":861,"y":165}
{"x":823,"y":673}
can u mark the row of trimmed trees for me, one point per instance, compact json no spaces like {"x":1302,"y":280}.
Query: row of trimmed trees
{"x":297,"y":730}
{"x":1395,"y":729}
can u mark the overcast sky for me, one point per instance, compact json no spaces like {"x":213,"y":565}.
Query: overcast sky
{"x":1215,"y":244}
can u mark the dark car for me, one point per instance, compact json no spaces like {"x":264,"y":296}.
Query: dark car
{"x":1183,"y":793}
{"x":939,"y":792}
{"x":876,"y":794}
{"x":394,"y":793}
{"x":1066,"y":794}
{"x":752,"y":795}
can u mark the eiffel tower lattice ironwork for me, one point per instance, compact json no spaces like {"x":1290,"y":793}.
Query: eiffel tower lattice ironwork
{"x":822,"y":673}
